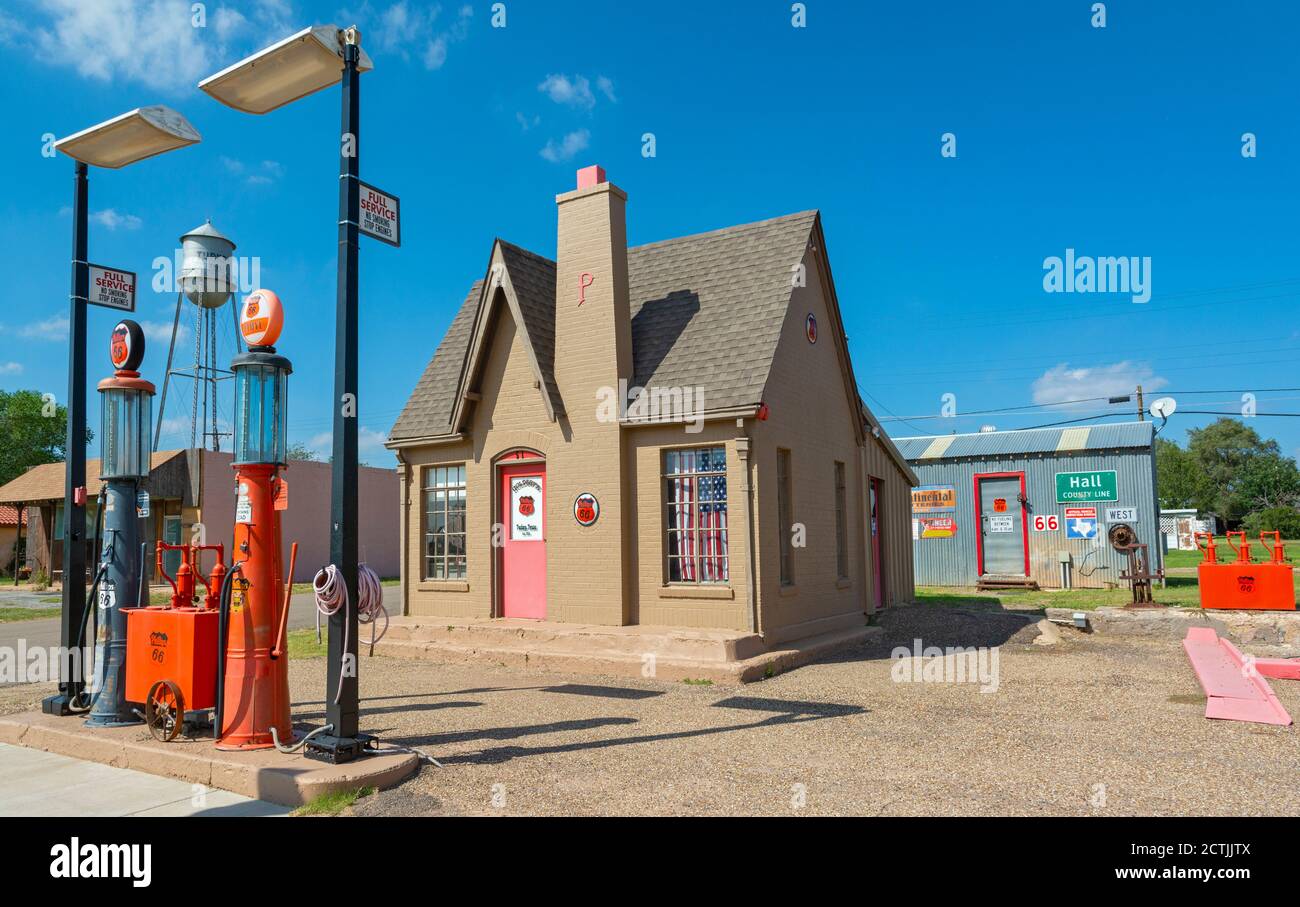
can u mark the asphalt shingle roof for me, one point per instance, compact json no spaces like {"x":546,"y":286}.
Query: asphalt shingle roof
{"x":706,"y":310}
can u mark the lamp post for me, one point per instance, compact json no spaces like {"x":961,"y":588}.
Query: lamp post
{"x":306,"y":62}
{"x":125,"y":139}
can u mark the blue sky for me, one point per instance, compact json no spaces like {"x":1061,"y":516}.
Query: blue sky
{"x":1116,"y":141}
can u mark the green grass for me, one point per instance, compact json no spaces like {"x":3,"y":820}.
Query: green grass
{"x":1180,"y":591}
{"x":1225,"y":553}
{"x":332,"y":803}
{"x":306,"y":587}
{"x":12,"y":614}
{"x":697,"y":682}
{"x":302,"y":643}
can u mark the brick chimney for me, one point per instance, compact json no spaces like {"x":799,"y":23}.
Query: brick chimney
{"x":593,"y":328}
{"x":593,"y":350}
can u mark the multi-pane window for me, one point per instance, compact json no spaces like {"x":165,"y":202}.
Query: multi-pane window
{"x":444,"y":522}
{"x":841,"y":524}
{"x":695,"y":491}
{"x":783,"y":518}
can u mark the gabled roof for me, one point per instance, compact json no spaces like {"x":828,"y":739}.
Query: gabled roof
{"x":45,"y":482}
{"x":1115,"y":436}
{"x":706,"y":310}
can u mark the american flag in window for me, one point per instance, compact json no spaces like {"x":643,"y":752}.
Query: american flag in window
{"x":696,"y":494}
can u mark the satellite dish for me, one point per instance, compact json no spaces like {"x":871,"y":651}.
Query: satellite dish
{"x":1164,"y":407}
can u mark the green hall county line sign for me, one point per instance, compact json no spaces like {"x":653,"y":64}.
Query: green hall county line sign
{"x":1086,"y":487}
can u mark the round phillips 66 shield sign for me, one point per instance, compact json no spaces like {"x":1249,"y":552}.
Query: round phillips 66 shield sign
{"x":586,"y":509}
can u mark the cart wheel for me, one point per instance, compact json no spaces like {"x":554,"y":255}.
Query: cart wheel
{"x":164,"y":710}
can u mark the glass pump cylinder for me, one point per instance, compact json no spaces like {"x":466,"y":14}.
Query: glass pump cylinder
{"x":125,"y":427}
{"x":261,"y":407}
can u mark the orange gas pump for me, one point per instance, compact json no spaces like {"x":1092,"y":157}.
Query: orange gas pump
{"x":190,"y":573}
{"x":253,"y":704}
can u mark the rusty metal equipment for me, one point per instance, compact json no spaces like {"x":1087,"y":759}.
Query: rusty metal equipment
{"x":1124,"y":539}
{"x":1242,"y":583}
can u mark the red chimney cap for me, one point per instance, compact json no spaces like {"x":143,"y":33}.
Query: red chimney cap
{"x":591,"y":176}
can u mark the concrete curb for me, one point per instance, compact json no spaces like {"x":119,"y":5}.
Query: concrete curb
{"x":1276,"y":631}
{"x":538,"y":656}
{"x":289,"y":780}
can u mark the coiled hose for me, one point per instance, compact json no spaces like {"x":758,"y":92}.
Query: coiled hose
{"x":332,"y":594}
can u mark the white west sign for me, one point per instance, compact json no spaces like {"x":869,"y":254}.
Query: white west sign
{"x":112,"y":288}
{"x":380,"y":214}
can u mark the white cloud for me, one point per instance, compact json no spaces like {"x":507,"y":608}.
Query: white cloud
{"x":11,"y":368}
{"x":606,"y":87}
{"x":410,"y":29}
{"x":111,"y":219}
{"x":370,"y":444}
{"x":525,"y":123}
{"x":571,"y":92}
{"x":53,"y":328}
{"x":229,"y":23}
{"x":436,"y":53}
{"x":1061,"y":382}
{"x":161,"y":332}
{"x":567,"y":148}
{"x":152,"y":42}
{"x":261,"y":174}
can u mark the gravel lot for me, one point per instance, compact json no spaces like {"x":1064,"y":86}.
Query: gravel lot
{"x":1089,"y":726}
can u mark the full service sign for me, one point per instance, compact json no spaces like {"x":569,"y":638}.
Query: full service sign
{"x":934,"y":499}
{"x":112,"y":288}
{"x":1086,"y":487}
{"x":380,"y":214}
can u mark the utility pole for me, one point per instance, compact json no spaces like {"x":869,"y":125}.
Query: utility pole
{"x":1142,"y":411}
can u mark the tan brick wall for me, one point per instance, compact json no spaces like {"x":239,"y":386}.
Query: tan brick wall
{"x":614,"y":572}
{"x":812,"y":416}
{"x":656,"y":602}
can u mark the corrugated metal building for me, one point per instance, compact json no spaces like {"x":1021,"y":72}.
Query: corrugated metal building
{"x":1016,"y":505}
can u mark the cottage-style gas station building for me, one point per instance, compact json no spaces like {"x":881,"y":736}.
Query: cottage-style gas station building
{"x":747,"y":488}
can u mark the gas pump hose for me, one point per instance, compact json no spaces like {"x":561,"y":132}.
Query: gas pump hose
{"x":223,"y":615}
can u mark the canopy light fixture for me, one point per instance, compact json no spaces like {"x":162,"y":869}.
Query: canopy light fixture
{"x":302,"y":63}
{"x":133,"y":136}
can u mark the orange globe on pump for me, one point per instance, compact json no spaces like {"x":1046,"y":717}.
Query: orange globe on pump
{"x":253,"y":711}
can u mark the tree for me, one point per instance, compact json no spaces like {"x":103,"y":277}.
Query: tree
{"x":1181,"y":483}
{"x":1284,"y":519}
{"x":33,"y":430}
{"x":300,"y":451}
{"x":1222,"y":450}
{"x":1270,"y":482}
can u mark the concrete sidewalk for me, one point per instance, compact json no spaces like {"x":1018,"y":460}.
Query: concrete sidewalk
{"x":37,"y":783}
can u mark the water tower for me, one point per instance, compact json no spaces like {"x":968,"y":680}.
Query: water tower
{"x":207,"y":278}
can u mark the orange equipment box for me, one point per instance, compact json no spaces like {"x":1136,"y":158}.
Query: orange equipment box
{"x":176,"y":644}
{"x":1260,"y":587}
{"x":1242,"y":583}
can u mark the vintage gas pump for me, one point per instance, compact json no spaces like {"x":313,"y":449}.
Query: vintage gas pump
{"x":253,"y":687}
{"x":126,"y":405}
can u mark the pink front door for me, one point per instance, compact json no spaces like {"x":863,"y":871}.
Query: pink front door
{"x":523,"y":546}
